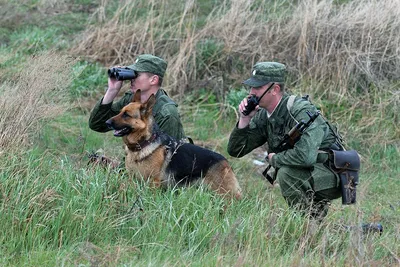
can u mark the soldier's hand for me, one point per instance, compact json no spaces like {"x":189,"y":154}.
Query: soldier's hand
{"x":113,"y":89}
{"x":113,"y":84}
{"x":270,"y":155}
{"x":244,"y":120}
{"x":242,"y":107}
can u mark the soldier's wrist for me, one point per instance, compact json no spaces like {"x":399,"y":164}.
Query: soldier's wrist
{"x":243,"y":122}
{"x":272,"y":161}
{"x":104,"y":105}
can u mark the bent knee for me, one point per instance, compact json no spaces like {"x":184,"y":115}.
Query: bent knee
{"x":290,"y":178}
{"x":284,"y":174}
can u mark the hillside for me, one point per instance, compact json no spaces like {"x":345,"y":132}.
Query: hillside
{"x":56,"y":209}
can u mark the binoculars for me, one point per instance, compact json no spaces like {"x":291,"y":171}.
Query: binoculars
{"x":122,"y":74}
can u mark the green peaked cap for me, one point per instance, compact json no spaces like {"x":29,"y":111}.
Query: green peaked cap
{"x":149,"y":63}
{"x":266,"y":72}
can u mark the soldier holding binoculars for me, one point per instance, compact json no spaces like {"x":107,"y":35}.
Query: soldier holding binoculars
{"x":147,"y":75}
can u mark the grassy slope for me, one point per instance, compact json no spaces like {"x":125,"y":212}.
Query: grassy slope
{"x":66,"y":212}
{"x":55,"y":210}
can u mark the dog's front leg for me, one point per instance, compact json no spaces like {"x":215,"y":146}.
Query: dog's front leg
{"x":155,"y":182}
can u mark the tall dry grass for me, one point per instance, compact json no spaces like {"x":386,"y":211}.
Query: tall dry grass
{"x":351,"y":45}
{"x":37,"y":94}
{"x":129,"y":33}
{"x":348,"y":54}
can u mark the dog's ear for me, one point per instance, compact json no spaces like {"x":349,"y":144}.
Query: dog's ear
{"x":150,"y":102}
{"x":147,"y":107}
{"x":137,"y":96}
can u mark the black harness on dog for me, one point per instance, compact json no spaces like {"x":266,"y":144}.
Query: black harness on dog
{"x":188,"y":162}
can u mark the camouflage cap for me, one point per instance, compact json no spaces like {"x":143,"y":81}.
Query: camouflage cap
{"x":266,"y":72}
{"x":149,"y":63}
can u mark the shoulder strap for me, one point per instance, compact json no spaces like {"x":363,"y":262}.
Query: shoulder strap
{"x":290,"y":102}
{"x":289,"y":106}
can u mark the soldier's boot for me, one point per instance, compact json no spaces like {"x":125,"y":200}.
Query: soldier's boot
{"x":319,"y":210}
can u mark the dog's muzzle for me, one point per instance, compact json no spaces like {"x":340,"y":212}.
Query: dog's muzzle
{"x":118,"y":131}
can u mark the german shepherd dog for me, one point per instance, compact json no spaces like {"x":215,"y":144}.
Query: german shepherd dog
{"x":164,"y":161}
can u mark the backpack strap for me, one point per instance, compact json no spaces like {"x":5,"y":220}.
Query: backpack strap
{"x":289,"y":106}
{"x":290,"y":102}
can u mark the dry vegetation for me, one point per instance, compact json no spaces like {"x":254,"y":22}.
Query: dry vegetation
{"x":354,"y":45}
{"x":54,"y":212}
{"x":346,"y":54}
{"x":37,"y":94}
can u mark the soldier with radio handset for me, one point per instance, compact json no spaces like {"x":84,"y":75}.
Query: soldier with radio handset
{"x":298,"y":138}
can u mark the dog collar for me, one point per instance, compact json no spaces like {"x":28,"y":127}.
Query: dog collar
{"x":142,"y":144}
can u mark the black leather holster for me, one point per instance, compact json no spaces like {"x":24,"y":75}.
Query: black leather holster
{"x":346,"y":164}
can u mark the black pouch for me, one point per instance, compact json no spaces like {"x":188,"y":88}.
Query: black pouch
{"x":347,"y":165}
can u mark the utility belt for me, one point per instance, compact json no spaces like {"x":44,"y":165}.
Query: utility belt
{"x":346,"y":164}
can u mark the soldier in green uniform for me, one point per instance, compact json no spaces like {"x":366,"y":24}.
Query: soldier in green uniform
{"x":150,"y":71}
{"x":305,"y":182}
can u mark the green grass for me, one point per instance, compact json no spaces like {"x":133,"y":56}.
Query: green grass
{"x":89,"y":78}
{"x":56,"y":210}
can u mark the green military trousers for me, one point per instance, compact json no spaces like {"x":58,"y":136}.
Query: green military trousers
{"x":309,"y":190}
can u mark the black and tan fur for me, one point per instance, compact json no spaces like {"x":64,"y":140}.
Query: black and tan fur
{"x":164,"y":161}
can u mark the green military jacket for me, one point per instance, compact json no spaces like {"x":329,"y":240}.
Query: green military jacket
{"x":165,"y":114}
{"x":272,"y":130}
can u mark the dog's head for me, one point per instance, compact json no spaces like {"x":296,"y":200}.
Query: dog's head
{"x":134,"y":117}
